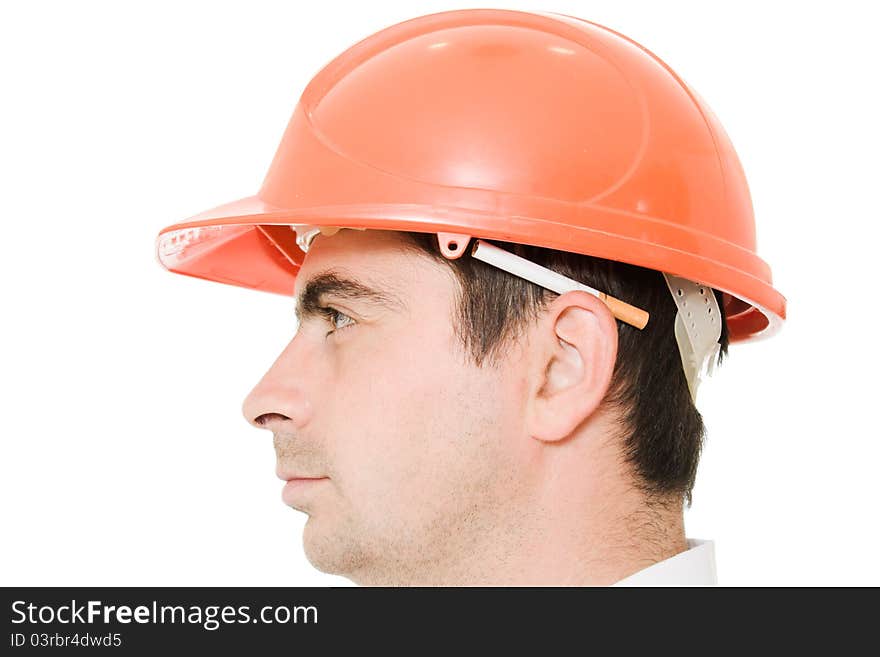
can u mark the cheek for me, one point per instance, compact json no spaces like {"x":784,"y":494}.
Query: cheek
{"x":414,"y":428}
{"x":387,"y":395}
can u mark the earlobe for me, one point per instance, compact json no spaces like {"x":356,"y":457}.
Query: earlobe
{"x":577,"y":348}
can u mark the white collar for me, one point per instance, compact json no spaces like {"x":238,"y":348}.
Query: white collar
{"x":693,"y":567}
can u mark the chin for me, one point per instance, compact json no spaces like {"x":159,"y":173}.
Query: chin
{"x":332,"y":552}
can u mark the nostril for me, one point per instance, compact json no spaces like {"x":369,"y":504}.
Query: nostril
{"x":267,"y":417}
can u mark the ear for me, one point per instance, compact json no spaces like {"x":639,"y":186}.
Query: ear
{"x":575,"y":349}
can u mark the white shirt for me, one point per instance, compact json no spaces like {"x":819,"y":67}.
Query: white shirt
{"x":693,"y":567}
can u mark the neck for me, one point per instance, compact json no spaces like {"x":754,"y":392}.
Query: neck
{"x":605,"y":544}
{"x":595,"y":546}
{"x":568,"y":527}
{"x":549,"y":543}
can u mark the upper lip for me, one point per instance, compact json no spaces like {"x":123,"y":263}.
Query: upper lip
{"x":288,"y":475}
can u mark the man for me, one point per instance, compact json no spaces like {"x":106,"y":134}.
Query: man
{"x":520,"y":411}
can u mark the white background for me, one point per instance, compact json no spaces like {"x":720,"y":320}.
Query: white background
{"x":125,"y":457}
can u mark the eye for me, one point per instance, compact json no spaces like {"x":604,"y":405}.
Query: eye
{"x":333,"y":316}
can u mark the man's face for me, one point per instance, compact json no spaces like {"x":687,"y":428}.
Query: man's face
{"x":418,"y":446}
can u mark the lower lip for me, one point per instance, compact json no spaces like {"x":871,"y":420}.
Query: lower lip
{"x":295,"y":486}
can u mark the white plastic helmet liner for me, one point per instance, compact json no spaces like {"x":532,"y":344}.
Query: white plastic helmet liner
{"x":697,"y":328}
{"x":306,"y":233}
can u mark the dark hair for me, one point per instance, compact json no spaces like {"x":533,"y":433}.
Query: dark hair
{"x":661,"y":429}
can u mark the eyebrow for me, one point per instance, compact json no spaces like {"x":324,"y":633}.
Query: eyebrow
{"x":333,"y":284}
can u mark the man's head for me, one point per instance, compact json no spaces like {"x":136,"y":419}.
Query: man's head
{"x":457,"y":411}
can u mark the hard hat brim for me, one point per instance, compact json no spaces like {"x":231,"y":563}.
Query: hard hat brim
{"x":247,"y":243}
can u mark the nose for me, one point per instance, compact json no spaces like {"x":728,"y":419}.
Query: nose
{"x":278,"y":402}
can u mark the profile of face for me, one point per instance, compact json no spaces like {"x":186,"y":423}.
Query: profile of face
{"x":416,"y":456}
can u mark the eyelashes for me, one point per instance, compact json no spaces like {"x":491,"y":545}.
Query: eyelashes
{"x":332,"y":315}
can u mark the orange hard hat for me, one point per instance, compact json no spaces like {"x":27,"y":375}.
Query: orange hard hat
{"x":528,"y":127}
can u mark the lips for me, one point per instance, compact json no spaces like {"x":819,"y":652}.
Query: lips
{"x":296,"y":491}
{"x":285,"y":474}
{"x":297,"y":477}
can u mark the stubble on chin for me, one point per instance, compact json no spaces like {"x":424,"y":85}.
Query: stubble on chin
{"x":333,"y":550}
